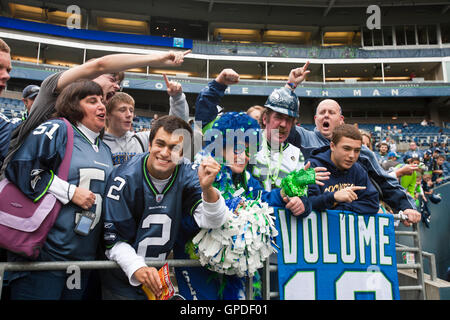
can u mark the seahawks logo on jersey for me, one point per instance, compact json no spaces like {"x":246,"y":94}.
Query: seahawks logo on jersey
{"x":36,"y":174}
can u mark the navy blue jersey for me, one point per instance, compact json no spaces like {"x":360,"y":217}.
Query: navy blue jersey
{"x":7,"y":126}
{"x":33,"y":168}
{"x":151,"y":222}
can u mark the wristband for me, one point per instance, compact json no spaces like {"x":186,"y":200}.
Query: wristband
{"x":292,"y":85}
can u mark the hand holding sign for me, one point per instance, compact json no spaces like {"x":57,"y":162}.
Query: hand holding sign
{"x":295,"y":205}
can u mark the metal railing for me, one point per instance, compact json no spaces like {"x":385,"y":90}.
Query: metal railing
{"x":98,"y":264}
{"x":417,"y":250}
{"x":430,"y":256}
{"x":87,"y":265}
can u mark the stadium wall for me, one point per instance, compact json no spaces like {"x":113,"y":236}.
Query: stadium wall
{"x":435,"y":239}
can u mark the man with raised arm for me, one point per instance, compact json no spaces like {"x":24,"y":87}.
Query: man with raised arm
{"x":328,"y":116}
{"x":106,"y":71}
{"x":153,"y":202}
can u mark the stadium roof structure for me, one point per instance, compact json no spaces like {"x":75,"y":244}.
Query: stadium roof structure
{"x":281,"y":12}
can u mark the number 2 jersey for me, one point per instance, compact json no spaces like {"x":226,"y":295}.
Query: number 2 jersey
{"x":32,"y":169}
{"x":151,"y":222}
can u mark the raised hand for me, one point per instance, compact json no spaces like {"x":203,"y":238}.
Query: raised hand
{"x":173,"y":88}
{"x":228,"y":77}
{"x":321,"y":173}
{"x":298,"y":75}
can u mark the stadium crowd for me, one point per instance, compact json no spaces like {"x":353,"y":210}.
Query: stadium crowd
{"x":419,"y":170}
{"x":120,"y":182}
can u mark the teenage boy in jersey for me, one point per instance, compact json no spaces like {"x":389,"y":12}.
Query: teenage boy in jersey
{"x":349,"y":187}
{"x":152,"y":203}
{"x":6,"y":126}
{"x":328,"y":116}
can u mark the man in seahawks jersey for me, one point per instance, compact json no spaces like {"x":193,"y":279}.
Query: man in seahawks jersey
{"x":6,"y":125}
{"x":153,"y":203}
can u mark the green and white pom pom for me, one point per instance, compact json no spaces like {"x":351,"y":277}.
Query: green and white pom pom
{"x":242,"y":244}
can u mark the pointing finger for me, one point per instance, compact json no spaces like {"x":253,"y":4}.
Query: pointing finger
{"x":166,"y":80}
{"x":305,"y":66}
{"x":306,"y":167}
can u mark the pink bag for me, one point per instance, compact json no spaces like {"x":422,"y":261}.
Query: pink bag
{"x":24,"y":224}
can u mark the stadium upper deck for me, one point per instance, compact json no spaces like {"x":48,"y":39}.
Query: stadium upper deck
{"x":399,"y":60}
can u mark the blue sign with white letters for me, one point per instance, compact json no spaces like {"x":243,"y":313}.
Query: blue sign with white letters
{"x":336,"y":255}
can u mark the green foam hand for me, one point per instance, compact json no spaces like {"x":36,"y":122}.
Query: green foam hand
{"x":295,"y":184}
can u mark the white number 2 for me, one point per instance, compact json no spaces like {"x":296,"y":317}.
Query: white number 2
{"x":116,"y":188}
{"x":166,"y":222}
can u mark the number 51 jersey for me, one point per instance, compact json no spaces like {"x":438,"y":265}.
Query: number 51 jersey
{"x":151,"y":222}
{"x":32,"y":169}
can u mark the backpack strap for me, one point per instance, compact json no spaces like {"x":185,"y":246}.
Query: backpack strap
{"x":140,"y":142}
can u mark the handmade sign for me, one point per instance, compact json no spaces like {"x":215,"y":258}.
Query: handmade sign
{"x":336,"y":255}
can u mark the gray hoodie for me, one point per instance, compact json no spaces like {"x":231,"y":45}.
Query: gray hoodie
{"x":125,"y":147}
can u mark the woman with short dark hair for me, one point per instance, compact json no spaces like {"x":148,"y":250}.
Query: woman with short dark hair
{"x":34,"y":169}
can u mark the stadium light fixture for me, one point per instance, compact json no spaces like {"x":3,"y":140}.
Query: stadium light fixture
{"x":171,"y":72}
